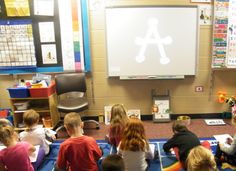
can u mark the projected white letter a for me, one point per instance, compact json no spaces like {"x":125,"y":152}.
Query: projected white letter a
{"x":153,"y":37}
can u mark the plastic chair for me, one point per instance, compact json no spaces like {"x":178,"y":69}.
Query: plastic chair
{"x":71,"y":89}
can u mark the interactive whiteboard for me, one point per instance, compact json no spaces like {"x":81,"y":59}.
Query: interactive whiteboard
{"x":152,"y":41}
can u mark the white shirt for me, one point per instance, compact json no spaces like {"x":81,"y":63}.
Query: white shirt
{"x":231,"y":150}
{"x":36,"y":136}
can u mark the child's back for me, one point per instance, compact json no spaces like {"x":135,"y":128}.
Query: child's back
{"x":81,"y":152}
{"x":78,"y":153}
{"x":34,"y":134}
{"x":118,"y":122}
{"x":16,"y":156}
{"x":134,"y":147}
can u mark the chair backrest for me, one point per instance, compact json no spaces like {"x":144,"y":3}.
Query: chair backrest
{"x":70,"y":82}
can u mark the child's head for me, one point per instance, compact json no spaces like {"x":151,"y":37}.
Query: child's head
{"x":31,"y":117}
{"x":6,"y":134}
{"x":179,"y":126}
{"x":113,"y":162}
{"x":134,"y":138}
{"x":5,"y":122}
{"x":200,"y":158}
{"x":72,"y":122}
{"x":118,"y":111}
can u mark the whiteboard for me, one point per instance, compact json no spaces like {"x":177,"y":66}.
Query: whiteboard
{"x":152,"y":41}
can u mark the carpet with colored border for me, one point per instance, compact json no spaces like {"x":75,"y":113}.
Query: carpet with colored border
{"x":166,"y":161}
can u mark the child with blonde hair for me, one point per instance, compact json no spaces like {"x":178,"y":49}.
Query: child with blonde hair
{"x":201,"y":158}
{"x":134,"y":147}
{"x":4,"y":122}
{"x":118,"y":121}
{"x":16,"y":154}
{"x":79,"y":152}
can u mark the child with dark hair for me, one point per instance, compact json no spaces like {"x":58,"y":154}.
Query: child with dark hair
{"x":134,"y":147}
{"x":113,"y":162}
{"x":182,"y":141}
{"x":16,"y":154}
{"x":79,"y":152}
{"x":117,"y":124}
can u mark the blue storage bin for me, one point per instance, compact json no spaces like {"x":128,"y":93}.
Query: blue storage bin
{"x":19,"y":92}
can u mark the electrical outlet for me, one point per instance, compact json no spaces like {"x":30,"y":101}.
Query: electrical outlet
{"x":198,"y":88}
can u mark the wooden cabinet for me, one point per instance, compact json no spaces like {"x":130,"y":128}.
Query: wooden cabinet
{"x":45,"y":106}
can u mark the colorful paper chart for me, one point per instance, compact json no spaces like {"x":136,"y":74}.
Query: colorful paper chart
{"x":224,"y":34}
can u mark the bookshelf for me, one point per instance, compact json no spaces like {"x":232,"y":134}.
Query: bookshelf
{"x":45,"y":106}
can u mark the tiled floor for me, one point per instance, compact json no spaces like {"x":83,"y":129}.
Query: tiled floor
{"x":163,"y":130}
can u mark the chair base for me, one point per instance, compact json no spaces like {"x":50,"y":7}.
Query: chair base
{"x":61,"y":124}
{"x":94,"y":122}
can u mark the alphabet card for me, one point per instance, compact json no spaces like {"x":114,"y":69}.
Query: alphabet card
{"x":205,"y":14}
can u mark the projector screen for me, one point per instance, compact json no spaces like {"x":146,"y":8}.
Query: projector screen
{"x":152,"y":41}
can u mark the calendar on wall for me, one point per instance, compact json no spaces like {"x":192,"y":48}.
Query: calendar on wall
{"x":224,"y":34}
{"x":44,"y":36}
{"x":16,"y":44}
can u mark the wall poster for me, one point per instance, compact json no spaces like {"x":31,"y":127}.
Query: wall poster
{"x":224,"y":34}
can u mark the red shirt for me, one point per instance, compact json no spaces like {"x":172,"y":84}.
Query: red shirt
{"x":16,"y":157}
{"x":115,"y":135}
{"x":79,"y":154}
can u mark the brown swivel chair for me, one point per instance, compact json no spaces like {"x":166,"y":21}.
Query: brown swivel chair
{"x":71,"y":89}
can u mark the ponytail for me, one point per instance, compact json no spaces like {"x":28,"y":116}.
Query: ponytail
{"x":6,"y":133}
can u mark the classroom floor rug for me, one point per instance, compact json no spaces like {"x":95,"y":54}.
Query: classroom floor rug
{"x":165,"y":162}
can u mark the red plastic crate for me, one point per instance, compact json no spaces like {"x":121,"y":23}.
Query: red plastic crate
{"x":43,"y":92}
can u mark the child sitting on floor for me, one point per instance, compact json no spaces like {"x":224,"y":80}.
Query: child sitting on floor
{"x":113,"y":162}
{"x":134,"y":147}
{"x":201,"y":158}
{"x":16,"y":154}
{"x":35,"y":134}
{"x":79,"y":152}
{"x":118,"y":120}
{"x":4,"y":122}
{"x":182,"y":141}
{"x":227,"y":153}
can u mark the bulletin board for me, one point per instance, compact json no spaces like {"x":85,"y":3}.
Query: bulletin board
{"x":224,"y":34}
{"x":44,"y":36}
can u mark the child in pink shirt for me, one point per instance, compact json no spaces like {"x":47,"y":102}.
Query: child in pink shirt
{"x":16,"y":154}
